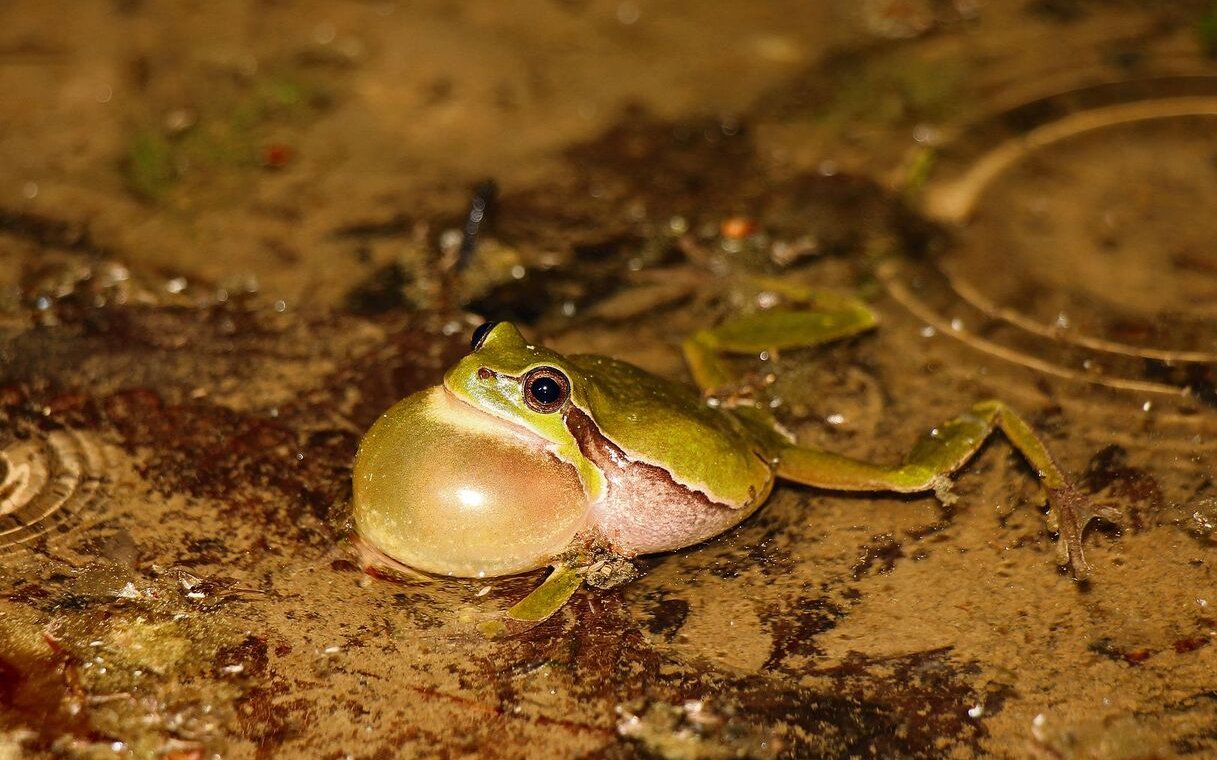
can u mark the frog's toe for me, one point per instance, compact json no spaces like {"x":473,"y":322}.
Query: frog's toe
{"x":1072,"y":557}
{"x":941,"y":485}
{"x":492,"y":629}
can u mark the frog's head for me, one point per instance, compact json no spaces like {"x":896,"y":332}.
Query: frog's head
{"x":527,"y":385}
{"x":479,"y":477}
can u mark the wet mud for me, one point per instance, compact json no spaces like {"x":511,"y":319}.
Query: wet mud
{"x":217,"y":269}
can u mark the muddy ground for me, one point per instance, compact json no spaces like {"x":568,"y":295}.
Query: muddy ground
{"x":231,"y":235}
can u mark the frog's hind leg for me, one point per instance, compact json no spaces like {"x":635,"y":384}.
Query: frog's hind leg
{"x":828,"y":317}
{"x":943,"y":451}
{"x":540,"y":605}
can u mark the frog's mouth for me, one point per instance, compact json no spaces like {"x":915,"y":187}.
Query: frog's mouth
{"x":475,"y":418}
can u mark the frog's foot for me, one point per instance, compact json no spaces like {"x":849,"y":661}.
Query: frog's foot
{"x":1069,"y":512}
{"x":829,"y":318}
{"x":941,"y":485}
{"x":499,"y":625}
{"x":474,"y":623}
{"x":598,"y":562}
{"x":610,"y":572}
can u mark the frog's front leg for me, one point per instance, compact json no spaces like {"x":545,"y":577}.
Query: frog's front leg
{"x":828,"y":317}
{"x":561,"y":583}
{"x":940,"y":453}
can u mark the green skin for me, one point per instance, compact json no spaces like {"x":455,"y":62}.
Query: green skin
{"x":714,"y":447}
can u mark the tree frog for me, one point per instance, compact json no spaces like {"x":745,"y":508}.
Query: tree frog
{"x":525,"y":458}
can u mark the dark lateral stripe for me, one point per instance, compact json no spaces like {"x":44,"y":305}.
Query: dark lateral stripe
{"x":601,"y":451}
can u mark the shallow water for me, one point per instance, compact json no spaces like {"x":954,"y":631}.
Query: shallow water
{"x":229,"y":239}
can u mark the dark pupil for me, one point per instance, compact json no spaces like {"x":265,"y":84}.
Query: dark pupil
{"x":545,"y":390}
{"x":480,"y":333}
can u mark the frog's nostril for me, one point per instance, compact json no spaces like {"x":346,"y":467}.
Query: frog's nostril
{"x":485,"y":374}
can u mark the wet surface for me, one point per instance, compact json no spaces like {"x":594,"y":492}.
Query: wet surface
{"x":229,"y":240}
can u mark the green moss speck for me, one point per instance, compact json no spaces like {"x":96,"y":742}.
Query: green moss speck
{"x":1206,"y":32}
{"x":149,"y":167}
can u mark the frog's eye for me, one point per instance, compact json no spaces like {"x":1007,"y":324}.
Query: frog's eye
{"x":545,"y":389}
{"x":479,"y":335}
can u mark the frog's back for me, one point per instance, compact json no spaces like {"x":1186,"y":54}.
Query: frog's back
{"x":668,"y":425}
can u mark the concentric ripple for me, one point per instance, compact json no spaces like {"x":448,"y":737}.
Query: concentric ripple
{"x":1083,"y":232}
{"x":45,"y":483}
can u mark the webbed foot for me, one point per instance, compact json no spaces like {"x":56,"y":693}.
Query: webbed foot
{"x":1069,"y":512}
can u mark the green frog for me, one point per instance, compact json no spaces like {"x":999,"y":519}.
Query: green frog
{"x":526,"y":458}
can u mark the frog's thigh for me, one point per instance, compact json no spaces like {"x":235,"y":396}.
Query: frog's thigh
{"x":775,"y":330}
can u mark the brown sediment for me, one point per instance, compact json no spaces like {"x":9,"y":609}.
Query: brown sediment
{"x":231,"y":328}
